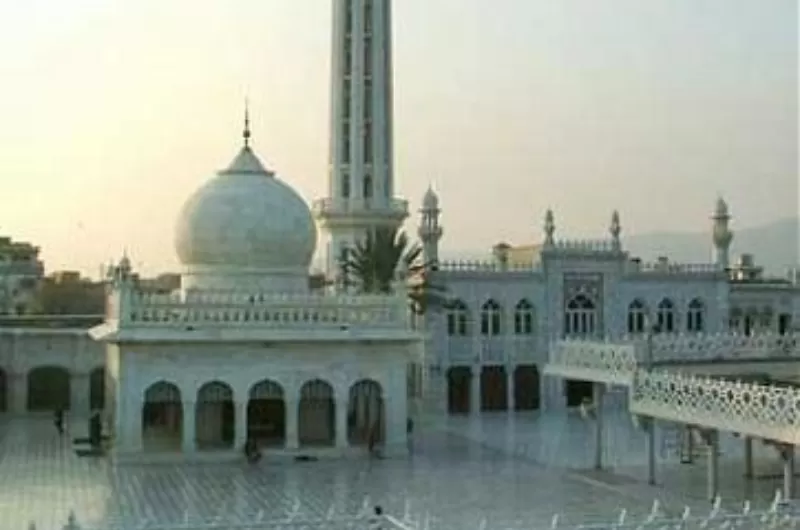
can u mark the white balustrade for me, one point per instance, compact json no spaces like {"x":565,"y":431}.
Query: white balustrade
{"x":613,"y":363}
{"x":226,"y":309}
{"x":765,"y":411}
{"x":669,"y":347}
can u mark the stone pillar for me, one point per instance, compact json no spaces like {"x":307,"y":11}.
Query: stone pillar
{"x":475,"y":390}
{"x":79,"y":395}
{"x":712,"y":440}
{"x":19,"y":393}
{"x":748,"y":457}
{"x":598,"y":425}
{"x":396,"y":410}
{"x":240,"y":425}
{"x":787,"y":455}
{"x":510,"y":389}
{"x":292,"y":411}
{"x":651,"y":450}
{"x":189,"y":444}
{"x":341,"y":422}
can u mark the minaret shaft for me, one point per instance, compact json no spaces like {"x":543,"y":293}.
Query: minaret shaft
{"x":360,"y":178}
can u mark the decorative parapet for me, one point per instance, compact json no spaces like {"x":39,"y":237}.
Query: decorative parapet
{"x":584,"y":245}
{"x":256,"y":310}
{"x":669,"y":268}
{"x":762,"y":411}
{"x":486,"y":266}
{"x":601,"y":362}
{"x":721,"y":346}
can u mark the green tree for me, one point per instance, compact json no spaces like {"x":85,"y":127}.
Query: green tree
{"x":371,"y":266}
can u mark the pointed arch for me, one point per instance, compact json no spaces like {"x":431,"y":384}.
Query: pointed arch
{"x":523,"y":317}
{"x":316,"y":424}
{"x":266,"y":414}
{"x":637,"y":316}
{"x":214,"y":416}
{"x":696,"y":316}
{"x":491,"y":318}
{"x":580,"y":316}
{"x":665,"y":316}
{"x":458,"y":319}
{"x":162,"y":417}
{"x":365,"y":413}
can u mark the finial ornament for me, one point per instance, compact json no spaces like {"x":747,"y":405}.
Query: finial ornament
{"x":615,"y":229}
{"x":549,"y":227}
{"x":246,"y":133}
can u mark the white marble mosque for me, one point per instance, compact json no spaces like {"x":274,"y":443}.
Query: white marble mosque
{"x":551,"y":333}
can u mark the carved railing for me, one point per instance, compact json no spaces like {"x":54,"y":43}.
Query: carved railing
{"x":722,"y":346}
{"x":221,"y":309}
{"x":486,"y":266}
{"x":764,"y":411}
{"x":613,"y":363}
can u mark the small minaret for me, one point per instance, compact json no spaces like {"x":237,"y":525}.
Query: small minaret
{"x":615,"y":229}
{"x":549,"y":228}
{"x":721,"y":235}
{"x":430,"y":231}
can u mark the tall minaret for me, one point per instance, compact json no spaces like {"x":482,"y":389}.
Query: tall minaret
{"x":360,"y":180}
{"x":721,"y":234}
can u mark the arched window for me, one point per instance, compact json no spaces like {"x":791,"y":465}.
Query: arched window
{"x":637,"y":317}
{"x":458,"y":319}
{"x":580,"y":317}
{"x":695,"y":317}
{"x":523,"y":318}
{"x":490,"y":318}
{"x":666,"y":316}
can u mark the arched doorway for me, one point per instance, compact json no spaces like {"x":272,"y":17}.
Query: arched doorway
{"x":578,"y":391}
{"x":316,"y":415}
{"x":214,"y":416}
{"x":459,"y":382}
{"x":48,"y":389}
{"x":162,"y":417}
{"x":3,"y":391}
{"x":266,"y":414}
{"x":526,"y":387}
{"x":97,"y":389}
{"x":494,"y":389}
{"x":365,"y":413}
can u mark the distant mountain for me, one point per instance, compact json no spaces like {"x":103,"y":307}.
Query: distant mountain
{"x":776,"y":246}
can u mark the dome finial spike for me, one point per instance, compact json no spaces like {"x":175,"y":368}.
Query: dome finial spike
{"x":246,"y":133}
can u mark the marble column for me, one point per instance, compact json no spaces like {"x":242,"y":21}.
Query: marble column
{"x":79,"y":395}
{"x":341,"y":422}
{"x":189,"y":443}
{"x":18,"y":393}
{"x":598,"y":389}
{"x":748,"y":457}
{"x":475,"y":390}
{"x":292,"y":411}
{"x":712,"y":440}
{"x":650,"y":425}
{"x":787,"y":456}
{"x":510,"y":390}
{"x":240,"y":425}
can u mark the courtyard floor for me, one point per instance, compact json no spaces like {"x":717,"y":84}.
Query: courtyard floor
{"x":513,"y":470}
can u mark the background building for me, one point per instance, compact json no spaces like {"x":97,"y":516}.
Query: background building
{"x":20,"y":274}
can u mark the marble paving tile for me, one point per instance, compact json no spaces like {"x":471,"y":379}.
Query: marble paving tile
{"x":515,"y":471}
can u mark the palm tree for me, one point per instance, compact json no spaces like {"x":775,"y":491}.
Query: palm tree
{"x":371,"y":267}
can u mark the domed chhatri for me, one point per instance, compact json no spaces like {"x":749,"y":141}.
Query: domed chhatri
{"x":246,"y":229}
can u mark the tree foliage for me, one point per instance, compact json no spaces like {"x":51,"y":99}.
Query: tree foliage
{"x":371,"y":267}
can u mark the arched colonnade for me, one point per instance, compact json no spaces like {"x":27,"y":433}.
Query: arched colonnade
{"x":214,"y":417}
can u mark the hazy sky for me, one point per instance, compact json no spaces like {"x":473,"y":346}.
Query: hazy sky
{"x":112,"y":113}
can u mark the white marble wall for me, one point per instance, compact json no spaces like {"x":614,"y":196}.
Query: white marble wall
{"x":243,"y":366}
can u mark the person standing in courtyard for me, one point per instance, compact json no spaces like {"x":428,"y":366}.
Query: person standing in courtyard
{"x":58,"y":421}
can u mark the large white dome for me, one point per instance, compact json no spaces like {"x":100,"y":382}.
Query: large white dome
{"x":245,"y":229}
